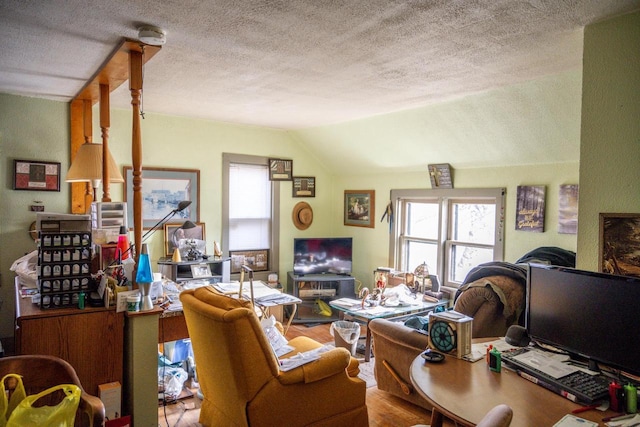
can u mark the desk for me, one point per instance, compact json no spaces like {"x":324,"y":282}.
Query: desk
{"x":90,"y":339}
{"x":394,"y":313}
{"x":465,"y":392}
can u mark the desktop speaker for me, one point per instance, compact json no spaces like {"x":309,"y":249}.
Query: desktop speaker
{"x":450,"y":333}
{"x":517,"y":336}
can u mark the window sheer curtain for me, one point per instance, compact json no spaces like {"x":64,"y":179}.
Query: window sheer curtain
{"x":249,"y":207}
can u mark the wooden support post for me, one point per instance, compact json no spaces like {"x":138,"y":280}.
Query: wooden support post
{"x":135,"y":86}
{"x":105,"y":123}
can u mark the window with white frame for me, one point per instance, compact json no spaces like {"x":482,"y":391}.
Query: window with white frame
{"x":452,"y":230}
{"x":250,"y":206}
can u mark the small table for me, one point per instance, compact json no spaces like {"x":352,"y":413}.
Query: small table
{"x":465,"y":391}
{"x":367,"y":314}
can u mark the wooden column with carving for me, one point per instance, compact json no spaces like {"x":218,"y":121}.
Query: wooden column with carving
{"x":135,"y":85}
{"x":105,"y":123}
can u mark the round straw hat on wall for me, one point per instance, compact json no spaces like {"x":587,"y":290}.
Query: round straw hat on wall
{"x":302,"y":215}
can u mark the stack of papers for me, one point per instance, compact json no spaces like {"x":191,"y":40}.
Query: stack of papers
{"x":347,"y":302}
{"x":302,"y":358}
{"x":262,"y":294}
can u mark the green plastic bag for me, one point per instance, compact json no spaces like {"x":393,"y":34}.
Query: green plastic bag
{"x":8,"y":405}
{"x":61,"y":415}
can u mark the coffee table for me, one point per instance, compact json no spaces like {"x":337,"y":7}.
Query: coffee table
{"x":367,"y":314}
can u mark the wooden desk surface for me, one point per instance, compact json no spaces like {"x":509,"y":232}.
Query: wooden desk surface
{"x":465,"y":392}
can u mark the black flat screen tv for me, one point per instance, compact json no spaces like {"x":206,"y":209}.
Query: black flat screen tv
{"x":587,"y":314}
{"x":322,"y":255}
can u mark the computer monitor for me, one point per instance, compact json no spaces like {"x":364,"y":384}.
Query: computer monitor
{"x":590,"y":315}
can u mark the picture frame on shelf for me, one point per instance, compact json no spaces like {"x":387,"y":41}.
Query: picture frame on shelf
{"x":304,"y":186}
{"x":280,"y":169}
{"x":36,"y":175}
{"x":618,"y":242}
{"x":162,"y":190}
{"x":200,"y":270}
{"x":359,"y":208}
{"x":257,"y":260}
{"x":191,"y":233}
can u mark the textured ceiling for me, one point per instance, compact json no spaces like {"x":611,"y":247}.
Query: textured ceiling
{"x":296,"y":64}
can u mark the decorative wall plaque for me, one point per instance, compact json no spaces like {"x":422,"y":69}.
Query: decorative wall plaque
{"x":440,"y":175}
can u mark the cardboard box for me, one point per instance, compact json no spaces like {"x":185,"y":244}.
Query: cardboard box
{"x":111,"y":396}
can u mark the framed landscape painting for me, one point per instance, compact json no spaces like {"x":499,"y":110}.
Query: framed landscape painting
{"x":162,"y":190}
{"x":620,"y":244}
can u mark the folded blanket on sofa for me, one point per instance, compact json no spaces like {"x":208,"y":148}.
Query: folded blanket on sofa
{"x":494,"y":268}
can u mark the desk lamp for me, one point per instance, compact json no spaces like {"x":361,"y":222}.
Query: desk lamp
{"x":87,"y":167}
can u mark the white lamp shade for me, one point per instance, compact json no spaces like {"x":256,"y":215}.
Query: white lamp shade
{"x":87,"y":165}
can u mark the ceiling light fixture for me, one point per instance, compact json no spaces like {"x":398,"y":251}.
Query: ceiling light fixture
{"x":151,"y":35}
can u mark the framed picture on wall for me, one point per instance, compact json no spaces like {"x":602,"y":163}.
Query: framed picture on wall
{"x":530,"y":208}
{"x":36,"y":175}
{"x":619,"y":243}
{"x":280,"y":169}
{"x":170,"y":231}
{"x":304,"y":186}
{"x":359,"y":208}
{"x":162,"y":190}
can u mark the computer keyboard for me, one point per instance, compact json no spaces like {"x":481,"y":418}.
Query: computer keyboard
{"x":577,"y":386}
{"x":594,"y":387}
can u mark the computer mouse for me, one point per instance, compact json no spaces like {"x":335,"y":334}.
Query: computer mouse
{"x":432,"y":356}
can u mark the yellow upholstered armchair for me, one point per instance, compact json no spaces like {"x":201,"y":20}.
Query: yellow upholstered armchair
{"x":241,"y":380}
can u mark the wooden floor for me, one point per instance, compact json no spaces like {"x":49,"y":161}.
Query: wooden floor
{"x":385,"y":410}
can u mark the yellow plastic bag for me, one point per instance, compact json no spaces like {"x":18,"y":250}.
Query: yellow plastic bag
{"x":8,"y":405}
{"x":61,"y":415}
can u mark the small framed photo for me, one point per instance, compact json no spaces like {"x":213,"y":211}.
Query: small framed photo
{"x":359,"y":208}
{"x":280,"y":169}
{"x":304,"y":186}
{"x":182,"y":233}
{"x":36,"y":175}
{"x":257,"y":260}
{"x":200,"y":270}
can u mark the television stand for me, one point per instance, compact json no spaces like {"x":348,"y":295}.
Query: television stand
{"x":315,"y":291}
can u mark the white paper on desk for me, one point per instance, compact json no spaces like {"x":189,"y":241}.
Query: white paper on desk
{"x":573,"y":421}
{"x":500,"y":345}
{"x":546,"y":364}
{"x":260,"y":289}
{"x":626,"y":422}
{"x":276,"y":299}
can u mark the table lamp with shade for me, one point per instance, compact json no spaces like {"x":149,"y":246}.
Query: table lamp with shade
{"x":87,"y":167}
